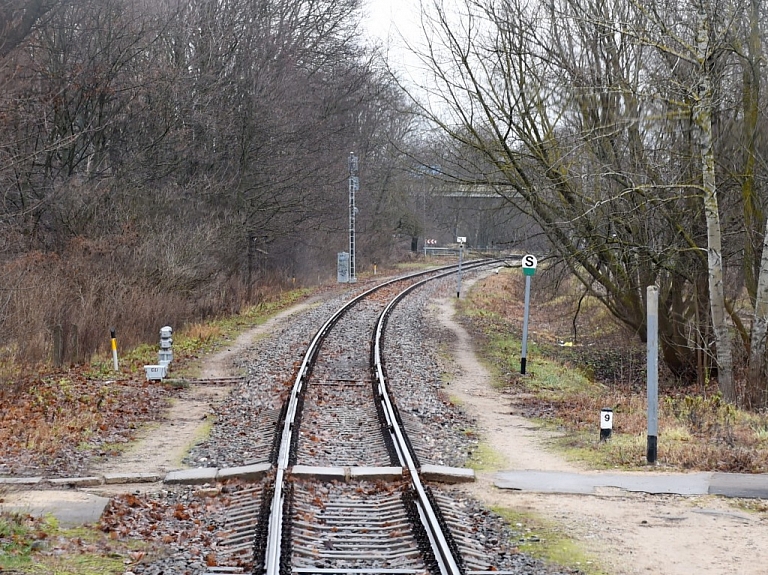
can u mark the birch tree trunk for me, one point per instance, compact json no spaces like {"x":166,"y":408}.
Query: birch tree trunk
{"x":756,"y":387}
{"x":702,"y":115}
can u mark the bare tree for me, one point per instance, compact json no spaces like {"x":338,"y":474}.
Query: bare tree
{"x":17,"y":20}
{"x":164,"y":143}
{"x":603,"y":121}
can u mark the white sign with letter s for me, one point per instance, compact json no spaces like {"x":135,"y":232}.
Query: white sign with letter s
{"x":530,"y":261}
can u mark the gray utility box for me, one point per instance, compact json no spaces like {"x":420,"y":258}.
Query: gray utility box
{"x":342,"y":267}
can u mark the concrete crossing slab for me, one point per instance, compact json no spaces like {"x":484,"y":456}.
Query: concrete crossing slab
{"x":70,"y":508}
{"x":589,"y":483}
{"x":739,"y":485}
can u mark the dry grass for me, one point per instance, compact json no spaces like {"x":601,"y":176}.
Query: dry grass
{"x":568,"y":385}
{"x":56,"y":420}
{"x":60,"y":307}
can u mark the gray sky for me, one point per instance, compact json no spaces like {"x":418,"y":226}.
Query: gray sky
{"x":387,"y":21}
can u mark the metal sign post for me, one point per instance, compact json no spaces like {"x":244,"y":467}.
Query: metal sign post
{"x":529,"y":264}
{"x":461,"y":240}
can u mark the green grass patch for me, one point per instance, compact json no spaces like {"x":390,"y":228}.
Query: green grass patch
{"x":417,"y":265}
{"x":204,"y":337}
{"x":39,"y":546}
{"x":621,"y":450}
{"x":485,"y":458}
{"x":201,"y":433}
{"x":551,"y":380}
{"x":549,"y":542}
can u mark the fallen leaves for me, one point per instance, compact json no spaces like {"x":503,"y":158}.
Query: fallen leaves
{"x":181,"y":518}
{"x":53,"y":424}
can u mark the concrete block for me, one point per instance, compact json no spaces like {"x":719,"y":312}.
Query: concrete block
{"x":20,"y":480}
{"x":321,"y":473}
{"x":192,"y":476}
{"x":245,"y":472}
{"x":120,"y":478}
{"x":76,"y":481}
{"x":739,"y":485}
{"x":443,"y":474}
{"x":376,"y":473}
{"x":71,"y":508}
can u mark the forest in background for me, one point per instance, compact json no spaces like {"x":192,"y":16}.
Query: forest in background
{"x":163,"y":161}
{"x":170,"y":161}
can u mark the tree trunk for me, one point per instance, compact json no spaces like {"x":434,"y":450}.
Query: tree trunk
{"x":702,"y":115}
{"x":753,"y":213}
{"x":756,"y":384}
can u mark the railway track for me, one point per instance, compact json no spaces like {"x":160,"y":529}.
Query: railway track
{"x":345,"y":495}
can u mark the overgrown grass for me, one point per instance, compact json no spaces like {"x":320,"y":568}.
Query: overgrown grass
{"x":567,"y":386}
{"x":548,"y":541}
{"x":78,"y":411}
{"x":39,"y":546}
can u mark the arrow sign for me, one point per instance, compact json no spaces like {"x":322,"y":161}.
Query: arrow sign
{"x":529,"y":263}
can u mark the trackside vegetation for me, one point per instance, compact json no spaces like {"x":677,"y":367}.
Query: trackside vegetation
{"x":568,"y":383}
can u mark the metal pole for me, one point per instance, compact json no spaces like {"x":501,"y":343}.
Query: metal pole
{"x":653,"y":371}
{"x":524,"y":354}
{"x":458,"y":285}
{"x":354,"y":184}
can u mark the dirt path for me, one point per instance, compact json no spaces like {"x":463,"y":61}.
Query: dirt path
{"x":160,"y":448}
{"x":627,"y":533}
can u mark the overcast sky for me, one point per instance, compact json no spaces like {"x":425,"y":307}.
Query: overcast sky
{"x":384,"y":17}
{"x":389,"y":22}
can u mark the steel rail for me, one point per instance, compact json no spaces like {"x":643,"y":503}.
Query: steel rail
{"x":446,"y":561}
{"x":275,"y":527}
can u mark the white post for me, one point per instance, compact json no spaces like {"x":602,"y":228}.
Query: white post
{"x":606,"y":423}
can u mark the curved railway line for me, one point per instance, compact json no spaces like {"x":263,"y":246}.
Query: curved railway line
{"x":345,"y":494}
